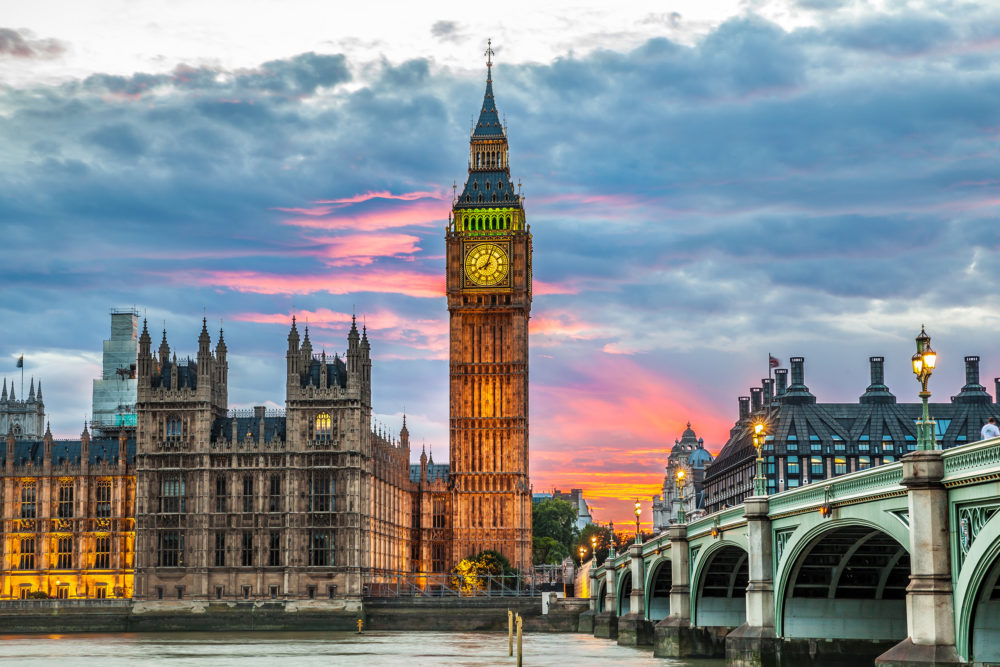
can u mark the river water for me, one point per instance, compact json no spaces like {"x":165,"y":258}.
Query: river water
{"x":413,"y":649}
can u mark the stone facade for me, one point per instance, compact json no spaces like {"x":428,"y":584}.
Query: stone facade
{"x":688,"y":454}
{"x":68,"y":517}
{"x":488,"y":250}
{"x":258,"y":504}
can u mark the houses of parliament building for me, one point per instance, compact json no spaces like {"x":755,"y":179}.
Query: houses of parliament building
{"x":169,"y":494}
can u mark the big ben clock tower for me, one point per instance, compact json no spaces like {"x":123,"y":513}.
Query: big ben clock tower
{"x":489,"y":302}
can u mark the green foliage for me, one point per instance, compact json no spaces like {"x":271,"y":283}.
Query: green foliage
{"x":472,"y":574}
{"x":622,"y":540}
{"x":546,"y":551}
{"x":555,"y":519}
{"x":38,"y":595}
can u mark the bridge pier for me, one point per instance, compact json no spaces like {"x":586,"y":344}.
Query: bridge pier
{"x":754,"y":644}
{"x":930,"y":607}
{"x":586,"y":622}
{"x":606,"y":622}
{"x":633,"y":628}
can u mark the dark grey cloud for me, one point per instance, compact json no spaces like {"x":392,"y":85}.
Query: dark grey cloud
{"x":23,"y":44}
{"x":447,"y":31}
{"x":759,"y":185}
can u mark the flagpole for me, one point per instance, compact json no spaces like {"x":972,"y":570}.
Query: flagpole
{"x":768,"y":365}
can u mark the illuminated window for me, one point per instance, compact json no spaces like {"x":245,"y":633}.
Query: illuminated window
{"x":793,"y":465}
{"x":864,"y":462}
{"x":64,"y":553}
{"x":101,"y":591}
{"x":840,"y":466}
{"x":27,"y":500}
{"x":102,"y":553}
{"x":62,"y":592}
{"x":323,"y":425}
{"x":173,"y":427}
{"x":321,"y":548}
{"x":816,"y":466}
{"x":27,"y":561}
{"x":103,"y":499}
{"x":65,"y":508}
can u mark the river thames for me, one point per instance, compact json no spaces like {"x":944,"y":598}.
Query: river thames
{"x":311,"y":648}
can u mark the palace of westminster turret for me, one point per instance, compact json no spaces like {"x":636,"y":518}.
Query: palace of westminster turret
{"x":169,"y":494}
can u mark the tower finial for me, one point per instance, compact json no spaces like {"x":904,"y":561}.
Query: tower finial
{"x":489,"y":54}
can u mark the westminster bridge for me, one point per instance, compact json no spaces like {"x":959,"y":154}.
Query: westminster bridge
{"x":898,"y":564}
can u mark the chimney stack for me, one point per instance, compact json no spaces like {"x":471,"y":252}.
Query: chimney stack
{"x":798,"y":392}
{"x":781,"y":381}
{"x":744,"y":407}
{"x":768,"y":391}
{"x":972,"y":392}
{"x":755,"y":398}
{"x":877,"y":391}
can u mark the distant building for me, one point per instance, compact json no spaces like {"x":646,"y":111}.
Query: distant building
{"x":115,"y":391}
{"x":25,"y":418}
{"x":688,"y":454}
{"x":575,"y":498}
{"x":807,"y":441}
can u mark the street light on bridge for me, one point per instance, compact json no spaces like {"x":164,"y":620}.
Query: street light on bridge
{"x":638,"y":511}
{"x":924,"y":360}
{"x":759,"y":482}
{"x":593,"y":548}
{"x":680,"y":495}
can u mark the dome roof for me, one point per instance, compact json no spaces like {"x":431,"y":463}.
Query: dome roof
{"x":699,"y":458}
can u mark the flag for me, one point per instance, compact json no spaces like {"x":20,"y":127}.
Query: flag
{"x":772,"y":362}
{"x":20,"y":361}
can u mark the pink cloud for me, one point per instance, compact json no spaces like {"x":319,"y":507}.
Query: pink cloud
{"x":381,"y":280}
{"x":553,"y":327}
{"x":405,"y":196}
{"x":363,"y":249}
{"x":421,"y":213}
{"x":541,"y":288}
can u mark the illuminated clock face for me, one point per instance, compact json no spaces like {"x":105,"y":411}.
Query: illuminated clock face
{"x":486,"y":264}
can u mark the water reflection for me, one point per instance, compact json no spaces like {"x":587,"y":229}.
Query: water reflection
{"x":413,"y":649}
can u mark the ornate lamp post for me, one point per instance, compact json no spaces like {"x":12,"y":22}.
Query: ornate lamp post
{"x":638,"y":511}
{"x":680,"y":495}
{"x":583,"y":552}
{"x":593,"y":548}
{"x":759,"y":482}
{"x":924,"y":360}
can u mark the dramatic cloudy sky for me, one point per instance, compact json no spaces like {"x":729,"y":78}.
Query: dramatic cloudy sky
{"x":705,"y":184}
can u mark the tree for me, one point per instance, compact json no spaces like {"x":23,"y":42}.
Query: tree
{"x":556,"y":519}
{"x":482,"y":571}
{"x":622,"y":540}
{"x":546,"y":551}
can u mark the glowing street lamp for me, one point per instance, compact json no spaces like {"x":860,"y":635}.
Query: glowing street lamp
{"x":759,"y":482}
{"x":638,"y":511}
{"x":593,"y":547}
{"x":680,"y":495}
{"x":583,"y":552}
{"x":924,"y":360}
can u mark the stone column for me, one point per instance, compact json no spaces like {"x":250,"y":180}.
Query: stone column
{"x":606,"y":622}
{"x":754,"y":642}
{"x":633,"y":628}
{"x":930,"y":610}
{"x":586,"y":623}
{"x":673,"y":636}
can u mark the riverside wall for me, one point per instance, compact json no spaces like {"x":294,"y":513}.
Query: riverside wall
{"x":450,"y":614}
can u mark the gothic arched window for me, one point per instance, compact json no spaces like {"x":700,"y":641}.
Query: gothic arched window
{"x":323,"y":425}
{"x":173,"y":427}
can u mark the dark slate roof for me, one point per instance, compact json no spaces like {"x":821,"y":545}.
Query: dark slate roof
{"x":475,"y":187}
{"x":861,"y":427}
{"x":489,"y":125}
{"x":274,"y":428}
{"x":102,"y":450}
{"x":336,"y":373}
{"x":435,"y":471}
{"x":187,"y":375}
